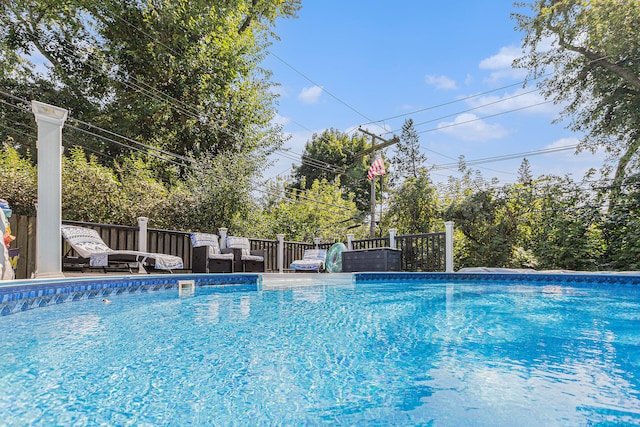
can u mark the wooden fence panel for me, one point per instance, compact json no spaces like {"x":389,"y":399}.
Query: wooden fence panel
{"x":420,"y":252}
{"x":171,"y":242}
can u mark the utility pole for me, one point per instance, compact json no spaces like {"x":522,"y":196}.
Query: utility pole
{"x":385,"y":143}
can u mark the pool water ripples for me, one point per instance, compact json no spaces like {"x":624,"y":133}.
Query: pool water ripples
{"x":384,"y":353}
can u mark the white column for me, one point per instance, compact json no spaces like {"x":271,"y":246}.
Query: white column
{"x":316,"y":241}
{"x":50,"y":121}
{"x":142,"y":233}
{"x":349,"y":242}
{"x":223,"y":237}
{"x":448,"y":226}
{"x":280,"y":252}
{"x":392,"y":237}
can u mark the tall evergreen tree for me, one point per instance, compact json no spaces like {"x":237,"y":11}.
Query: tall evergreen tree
{"x":524,"y":172}
{"x":408,"y":160}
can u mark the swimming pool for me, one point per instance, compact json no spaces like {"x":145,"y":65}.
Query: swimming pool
{"x":383,"y":349}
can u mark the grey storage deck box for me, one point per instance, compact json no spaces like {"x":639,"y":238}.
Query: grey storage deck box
{"x":378,"y":259}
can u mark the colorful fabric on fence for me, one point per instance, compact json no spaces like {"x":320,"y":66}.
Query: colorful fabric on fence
{"x":6,"y":270}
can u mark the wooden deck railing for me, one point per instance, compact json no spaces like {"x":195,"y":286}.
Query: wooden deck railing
{"x":420,"y":252}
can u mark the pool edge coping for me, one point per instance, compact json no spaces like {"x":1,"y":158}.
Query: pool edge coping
{"x":27,"y":294}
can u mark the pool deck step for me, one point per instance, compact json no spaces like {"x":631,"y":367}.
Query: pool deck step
{"x":289,"y":280}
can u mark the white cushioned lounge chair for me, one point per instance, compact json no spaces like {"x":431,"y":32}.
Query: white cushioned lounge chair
{"x":207,"y":256}
{"x":312,"y":260}
{"x":93,"y":250}
{"x":246,"y":259}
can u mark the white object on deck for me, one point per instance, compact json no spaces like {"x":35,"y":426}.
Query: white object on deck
{"x":448,"y":227}
{"x":142,"y":233}
{"x":392,"y":237}
{"x":223,"y":237}
{"x":350,"y":242}
{"x":280,"y":252}
{"x":50,"y":121}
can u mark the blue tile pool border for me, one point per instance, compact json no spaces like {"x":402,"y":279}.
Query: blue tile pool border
{"x":572,"y":279}
{"x":29,"y":294}
{"x":25,"y":295}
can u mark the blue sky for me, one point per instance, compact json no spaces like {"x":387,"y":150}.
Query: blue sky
{"x":345,"y":63}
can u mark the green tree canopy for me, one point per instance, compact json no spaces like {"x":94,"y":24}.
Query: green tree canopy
{"x":180,"y":75}
{"x":563,"y":220}
{"x":489,"y":226}
{"x":331,"y":155}
{"x":594,"y":58}
{"x":18,"y":181}
{"x":323,"y":211}
{"x":414,"y":207}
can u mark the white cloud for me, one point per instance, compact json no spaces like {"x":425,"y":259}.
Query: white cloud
{"x":310,"y":95}
{"x":468,"y":127}
{"x":501,"y":60}
{"x":441,"y":82}
{"x":500,"y":64}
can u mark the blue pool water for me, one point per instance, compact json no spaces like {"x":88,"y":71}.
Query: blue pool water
{"x":375,"y":354}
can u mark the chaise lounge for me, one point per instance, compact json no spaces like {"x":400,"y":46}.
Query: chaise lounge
{"x":312,"y":260}
{"x":207,"y":255}
{"x":94,"y":252}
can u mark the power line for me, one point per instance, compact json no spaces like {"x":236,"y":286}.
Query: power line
{"x":472,"y":109}
{"x":506,"y":157}
{"x":323,"y":89}
{"x":317,"y":164}
{"x":312,"y":162}
{"x":133,"y":141}
{"x":192,"y":112}
{"x":104,"y":138}
{"x":17,"y":131}
{"x":450,"y":125}
{"x":152,"y":93}
{"x":466,"y":98}
{"x":24,"y":108}
{"x":190,"y":166}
